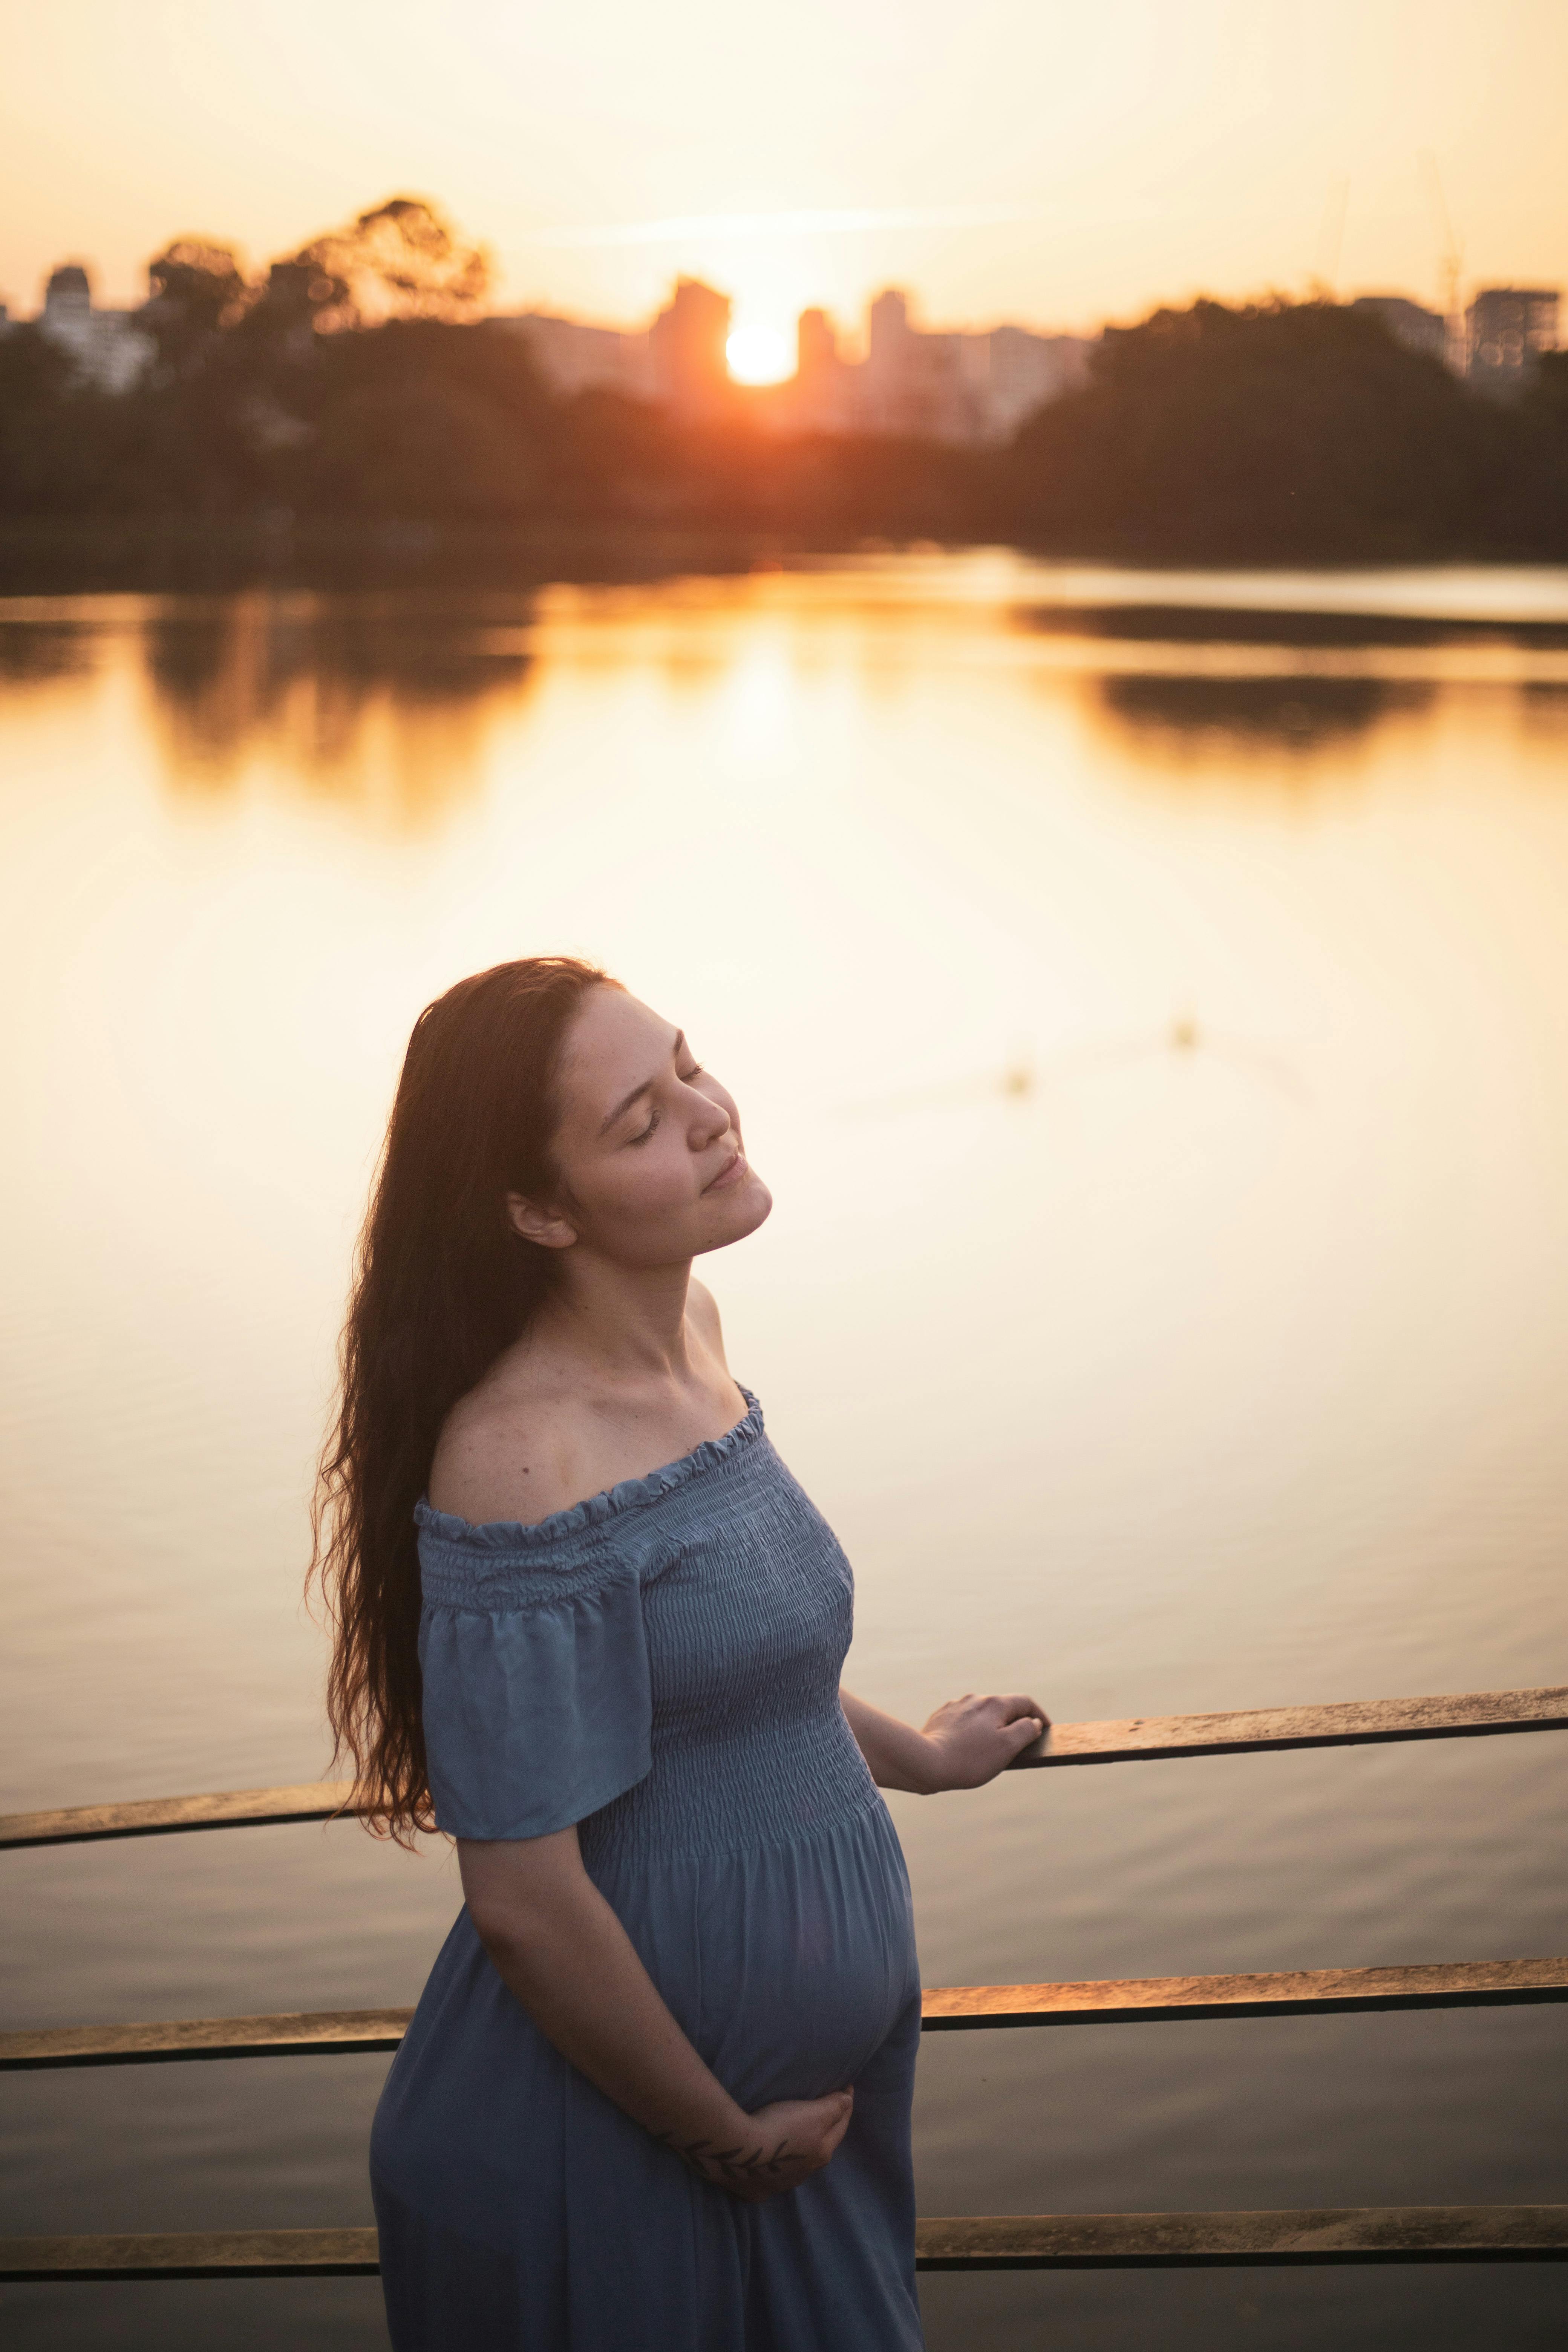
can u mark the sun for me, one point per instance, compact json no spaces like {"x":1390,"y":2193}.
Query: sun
{"x":759,"y":355}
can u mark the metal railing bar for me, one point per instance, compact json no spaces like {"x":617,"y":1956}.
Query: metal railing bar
{"x":1308,"y":1992}
{"x":1316,"y":2236}
{"x":1354,"y":1723}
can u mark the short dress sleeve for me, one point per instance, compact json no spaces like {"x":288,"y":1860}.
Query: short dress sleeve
{"x":537,"y":1703}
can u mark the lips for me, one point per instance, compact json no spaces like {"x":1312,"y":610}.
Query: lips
{"x":732,"y":1169}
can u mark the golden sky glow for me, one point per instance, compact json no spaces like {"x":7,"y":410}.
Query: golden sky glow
{"x":1024,"y":159}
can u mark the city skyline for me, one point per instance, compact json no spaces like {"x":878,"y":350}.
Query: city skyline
{"x":901,"y":378}
{"x":1019,"y":166}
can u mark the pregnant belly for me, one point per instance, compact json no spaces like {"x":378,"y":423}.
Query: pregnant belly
{"x":786,"y":1964}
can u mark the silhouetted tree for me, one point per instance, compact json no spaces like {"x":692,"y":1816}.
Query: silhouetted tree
{"x":422,"y":418}
{"x":1537,"y":517}
{"x":1547,"y":390}
{"x":399,"y":260}
{"x":283,"y":395}
{"x":1270,"y":431}
{"x":43,"y":405}
{"x":616,"y":458}
{"x":196,"y":291}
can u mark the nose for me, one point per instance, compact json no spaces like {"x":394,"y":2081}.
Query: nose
{"x":708,"y":1123}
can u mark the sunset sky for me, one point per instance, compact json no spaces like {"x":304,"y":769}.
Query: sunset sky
{"x":1004,"y":159}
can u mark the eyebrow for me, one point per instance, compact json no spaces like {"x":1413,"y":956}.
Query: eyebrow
{"x":646,"y":1087}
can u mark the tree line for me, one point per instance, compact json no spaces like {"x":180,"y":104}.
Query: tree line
{"x":356,"y":383}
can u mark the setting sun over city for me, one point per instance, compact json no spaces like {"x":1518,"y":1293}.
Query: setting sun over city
{"x":760,"y":354}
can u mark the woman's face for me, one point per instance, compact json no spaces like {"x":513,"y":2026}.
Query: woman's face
{"x":648,"y":1145}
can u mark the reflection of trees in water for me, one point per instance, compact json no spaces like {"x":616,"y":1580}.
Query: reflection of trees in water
{"x":1543,"y":705}
{"x":1243,"y":624}
{"x":39,"y":652}
{"x":1187,"y":716}
{"x":383,"y":701}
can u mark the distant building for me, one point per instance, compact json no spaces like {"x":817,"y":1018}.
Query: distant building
{"x":1509,"y":328}
{"x":1419,"y":329}
{"x":572,"y":357}
{"x":687,"y":342}
{"x":823,"y":393}
{"x":680,"y":360}
{"x":913,"y":382}
{"x":955,"y":387}
{"x":1023,"y":372}
{"x":963,"y":388}
{"x":108,"y":346}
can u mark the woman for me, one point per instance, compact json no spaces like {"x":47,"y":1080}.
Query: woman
{"x":656,"y":2097}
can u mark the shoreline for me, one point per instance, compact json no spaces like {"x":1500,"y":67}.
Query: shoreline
{"x":179,"y":555}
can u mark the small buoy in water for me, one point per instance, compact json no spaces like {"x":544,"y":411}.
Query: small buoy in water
{"x":1017,"y":1079}
{"x":1184,"y":1033}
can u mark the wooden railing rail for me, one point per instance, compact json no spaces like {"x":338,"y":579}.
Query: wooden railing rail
{"x":1349,"y":1723}
{"x":1298,"y":1992}
{"x":1012,"y":2241}
{"x":1354,"y":1723}
{"x":343,"y":2033}
{"x":1306,"y":1992}
{"x":1176,"y":2241}
{"x":235,"y":1809}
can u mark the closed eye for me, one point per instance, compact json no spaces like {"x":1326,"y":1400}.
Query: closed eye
{"x":686,"y":1077}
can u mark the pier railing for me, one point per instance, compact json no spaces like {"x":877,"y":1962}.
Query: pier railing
{"x":1486,"y":2233}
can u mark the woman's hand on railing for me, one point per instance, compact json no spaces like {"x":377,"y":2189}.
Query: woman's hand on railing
{"x":973,"y":1737}
{"x":783,"y":2145}
{"x":965,"y":1743}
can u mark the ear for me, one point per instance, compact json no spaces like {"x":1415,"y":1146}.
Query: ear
{"x":536,"y":1223}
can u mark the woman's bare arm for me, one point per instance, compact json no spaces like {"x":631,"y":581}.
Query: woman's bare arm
{"x":964,"y":1744}
{"x":559,"y":1948}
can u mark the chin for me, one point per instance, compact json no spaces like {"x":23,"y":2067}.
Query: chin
{"x":738,"y":1212}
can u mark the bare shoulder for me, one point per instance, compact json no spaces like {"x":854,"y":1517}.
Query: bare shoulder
{"x":507,"y":1453}
{"x":539,"y":1434}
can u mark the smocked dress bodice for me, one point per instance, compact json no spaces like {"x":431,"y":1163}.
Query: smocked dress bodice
{"x":660,"y":1665}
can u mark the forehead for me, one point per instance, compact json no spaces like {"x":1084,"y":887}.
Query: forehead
{"x":615,"y":1042}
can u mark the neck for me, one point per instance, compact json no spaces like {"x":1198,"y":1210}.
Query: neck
{"x":619,"y":1319}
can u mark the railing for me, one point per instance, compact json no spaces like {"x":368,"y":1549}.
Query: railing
{"x":1494,"y":2233}
{"x":1356,"y":1723}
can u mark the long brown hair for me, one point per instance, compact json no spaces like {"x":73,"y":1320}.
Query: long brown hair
{"x":441,"y":1285}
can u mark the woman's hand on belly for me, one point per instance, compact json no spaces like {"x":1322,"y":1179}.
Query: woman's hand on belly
{"x":562,"y":1951}
{"x":964,"y":1744}
{"x":783,"y":2145}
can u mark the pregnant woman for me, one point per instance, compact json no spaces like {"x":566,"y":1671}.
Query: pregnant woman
{"x":656,"y":2097}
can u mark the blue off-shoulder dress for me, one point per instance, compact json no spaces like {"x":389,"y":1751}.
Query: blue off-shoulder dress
{"x":659,"y":1666}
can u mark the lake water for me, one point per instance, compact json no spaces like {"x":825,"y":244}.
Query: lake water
{"x":1148,"y":998}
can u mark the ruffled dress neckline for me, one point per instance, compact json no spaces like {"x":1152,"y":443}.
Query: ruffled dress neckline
{"x":627,"y":1495}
